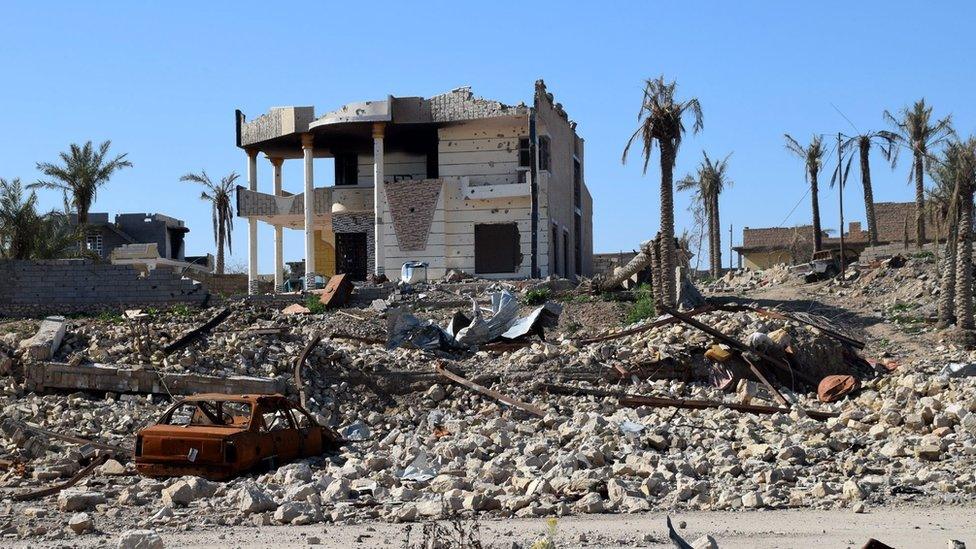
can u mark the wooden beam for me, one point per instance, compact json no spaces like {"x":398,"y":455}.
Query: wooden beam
{"x":525,"y":407}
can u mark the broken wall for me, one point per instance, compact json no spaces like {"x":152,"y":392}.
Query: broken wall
{"x":65,"y":286}
{"x":432,"y":220}
{"x":557,"y":205}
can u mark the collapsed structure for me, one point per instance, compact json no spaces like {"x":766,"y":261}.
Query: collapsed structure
{"x":710,"y":408}
{"x":465,"y":183}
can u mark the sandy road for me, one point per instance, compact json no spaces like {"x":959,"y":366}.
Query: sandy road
{"x":899,"y":527}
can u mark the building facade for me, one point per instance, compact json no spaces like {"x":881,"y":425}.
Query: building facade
{"x":764,"y":247}
{"x":466,"y":183}
{"x":134,"y":235}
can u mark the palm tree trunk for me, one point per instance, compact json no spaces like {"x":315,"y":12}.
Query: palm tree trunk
{"x":919,"y":201}
{"x":635,"y":265}
{"x":717,"y":231}
{"x":947,"y":291}
{"x":815,"y":204}
{"x":657,"y":288}
{"x":220,"y":245}
{"x":83,"y":231}
{"x":964,"y":264}
{"x":667,"y":223}
{"x":868,"y":194}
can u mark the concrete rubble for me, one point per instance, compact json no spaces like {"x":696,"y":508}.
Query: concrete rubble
{"x":422,"y":446}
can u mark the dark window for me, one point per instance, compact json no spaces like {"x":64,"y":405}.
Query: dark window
{"x":544,"y":152}
{"x":346,"y":169}
{"x":496,"y":248}
{"x":565,"y":272}
{"x":525,"y":153}
{"x":578,"y":237}
{"x":577,"y":183}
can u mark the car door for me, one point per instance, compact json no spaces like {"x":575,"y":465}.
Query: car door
{"x":280,"y":427}
{"x":309,"y":434}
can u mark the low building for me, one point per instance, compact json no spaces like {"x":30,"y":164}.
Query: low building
{"x":467,"y":183}
{"x":140,"y":238}
{"x":764,"y":247}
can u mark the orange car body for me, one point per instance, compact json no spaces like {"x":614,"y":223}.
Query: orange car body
{"x":223,"y":436}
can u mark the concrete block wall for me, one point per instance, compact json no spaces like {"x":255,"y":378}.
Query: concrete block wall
{"x":36,"y":288}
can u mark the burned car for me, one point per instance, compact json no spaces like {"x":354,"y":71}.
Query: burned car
{"x":219,"y":436}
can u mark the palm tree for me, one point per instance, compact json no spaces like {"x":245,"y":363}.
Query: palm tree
{"x":920,"y":134}
{"x":18,"y":218}
{"x":660,"y":120}
{"x":888,"y":145}
{"x":943,"y":200}
{"x":79,"y":175}
{"x":24,"y":234}
{"x":710,"y":180}
{"x":812,"y":156}
{"x":219,"y":196}
{"x":965,"y":173}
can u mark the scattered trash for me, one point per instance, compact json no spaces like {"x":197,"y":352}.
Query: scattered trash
{"x":959,"y":369}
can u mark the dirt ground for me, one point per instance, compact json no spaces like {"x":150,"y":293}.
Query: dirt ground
{"x":897,"y":527}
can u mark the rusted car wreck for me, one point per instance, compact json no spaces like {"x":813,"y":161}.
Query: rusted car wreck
{"x":219,"y":436}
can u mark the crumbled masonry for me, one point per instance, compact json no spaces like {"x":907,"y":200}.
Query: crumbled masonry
{"x":423,"y":444}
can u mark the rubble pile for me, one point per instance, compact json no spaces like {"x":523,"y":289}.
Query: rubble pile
{"x":896,"y":280}
{"x":422,"y":445}
{"x":450,"y":452}
{"x":748,"y":279}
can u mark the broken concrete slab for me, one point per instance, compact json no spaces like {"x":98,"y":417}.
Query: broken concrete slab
{"x":56,"y":375}
{"x":43,"y":344}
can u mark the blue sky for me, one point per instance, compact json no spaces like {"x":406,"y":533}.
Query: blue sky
{"x":162,"y":80}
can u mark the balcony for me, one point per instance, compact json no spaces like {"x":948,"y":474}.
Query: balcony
{"x":487,"y":192}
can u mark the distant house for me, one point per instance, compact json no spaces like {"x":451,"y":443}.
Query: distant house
{"x":764,"y":247}
{"x":139,"y":237}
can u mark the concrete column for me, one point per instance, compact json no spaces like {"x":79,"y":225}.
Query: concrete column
{"x":252,"y":225}
{"x":279,"y":259}
{"x":379,"y":129}
{"x":307,"y":139}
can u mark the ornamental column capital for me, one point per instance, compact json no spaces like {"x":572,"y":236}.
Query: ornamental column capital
{"x":379,"y":128}
{"x":307,"y":140}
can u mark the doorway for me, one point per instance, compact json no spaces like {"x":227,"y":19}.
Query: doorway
{"x":351,"y":255}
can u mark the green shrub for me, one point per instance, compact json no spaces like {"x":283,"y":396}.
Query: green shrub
{"x":181,"y":310}
{"x":110,"y":316}
{"x":537,"y":296}
{"x":643,"y":306}
{"x":314,"y":305}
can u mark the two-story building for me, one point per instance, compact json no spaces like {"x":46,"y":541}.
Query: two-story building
{"x":466,"y":183}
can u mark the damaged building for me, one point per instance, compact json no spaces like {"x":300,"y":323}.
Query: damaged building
{"x":471,"y":184}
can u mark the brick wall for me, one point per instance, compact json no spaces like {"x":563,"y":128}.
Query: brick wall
{"x":412,"y":205}
{"x":225,"y":284}
{"x":461,"y":104}
{"x":37,"y":288}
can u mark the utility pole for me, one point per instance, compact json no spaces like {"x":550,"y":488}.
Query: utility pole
{"x":840,"y":179}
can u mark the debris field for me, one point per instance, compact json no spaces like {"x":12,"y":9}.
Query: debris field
{"x":713,"y":408}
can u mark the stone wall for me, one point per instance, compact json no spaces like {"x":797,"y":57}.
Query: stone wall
{"x":38,"y":288}
{"x":607,"y":262}
{"x":225,"y":284}
{"x":461,"y":104}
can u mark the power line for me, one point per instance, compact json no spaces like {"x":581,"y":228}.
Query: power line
{"x":795,"y":206}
